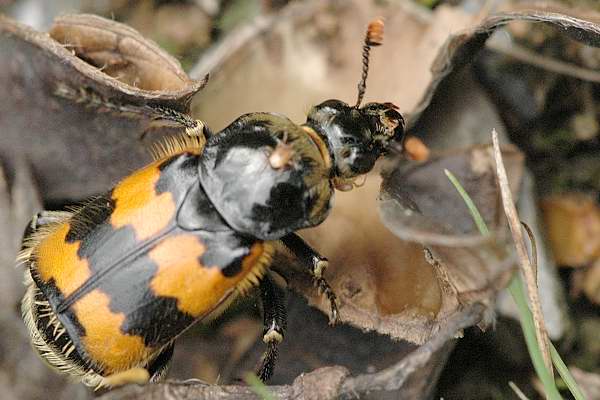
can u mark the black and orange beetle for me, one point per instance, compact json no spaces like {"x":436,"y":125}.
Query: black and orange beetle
{"x":112,"y":284}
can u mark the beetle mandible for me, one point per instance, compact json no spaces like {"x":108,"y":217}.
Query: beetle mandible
{"x":111,"y":284}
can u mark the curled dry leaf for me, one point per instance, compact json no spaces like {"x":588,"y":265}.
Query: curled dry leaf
{"x":573,"y":227}
{"x":120,"y":52}
{"x":460,"y":48}
{"x":384,"y":277}
{"x":282,"y":57}
{"x":78,"y":101}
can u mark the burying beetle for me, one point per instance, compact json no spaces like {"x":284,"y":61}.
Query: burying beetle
{"x":113,"y":283}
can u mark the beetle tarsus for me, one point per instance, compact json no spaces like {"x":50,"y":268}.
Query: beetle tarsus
{"x":326,"y":290}
{"x":265,"y":372}
{"x":275,"y":323}
{"x":316,"y":265}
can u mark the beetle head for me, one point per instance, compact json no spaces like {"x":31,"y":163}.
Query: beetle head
{"x":356,"y":137}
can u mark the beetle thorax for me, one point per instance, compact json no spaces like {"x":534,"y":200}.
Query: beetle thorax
{"x":266,"y":176}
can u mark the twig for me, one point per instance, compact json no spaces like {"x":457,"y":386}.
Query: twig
{"x":527,"y":56}
{"x":393,"y":377}
{"x":526,"y":268}
{"x":325,"y":383}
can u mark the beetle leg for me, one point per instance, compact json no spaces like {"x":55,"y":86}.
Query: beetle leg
{"x":193,"y":127}
{"x":159,"y":367}
{"x":275,"y":322}
{"x":316,"y":265}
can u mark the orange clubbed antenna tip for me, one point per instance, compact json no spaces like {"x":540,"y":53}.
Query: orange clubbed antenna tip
{"x":374,"y":37}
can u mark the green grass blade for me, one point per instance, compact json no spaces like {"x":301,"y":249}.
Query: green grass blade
{"x":481,"y":226}
{"x":565,"y":374}
{"x":535,"y":353}
{"x":518,"y":294}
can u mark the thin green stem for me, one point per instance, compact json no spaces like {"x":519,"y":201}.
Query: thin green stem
{"x":518,"y":294}
{"x":481,"y":226}
{"x":565,"y":374}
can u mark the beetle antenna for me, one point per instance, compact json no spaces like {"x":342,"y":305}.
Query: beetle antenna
{"x":374,"y":37}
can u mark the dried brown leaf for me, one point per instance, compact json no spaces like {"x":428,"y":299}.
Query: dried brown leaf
{"x":80,"y":128}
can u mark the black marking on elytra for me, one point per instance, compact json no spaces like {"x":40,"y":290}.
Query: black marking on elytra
{"x":104,"y":238}
{"x":155,"y":319}
{"x":110,"y":252}
{"x":55,"y":297}
{"x":106,"y":248}
{"x":68,"y":319}
{"x":234,"y":267}
{"x":48,"y":332}
{"x":126,"y":277}
{"x":226,"y":251}
{"x":127,"y":284}
{"x":92,"y":214}
{"x":157,"y":322}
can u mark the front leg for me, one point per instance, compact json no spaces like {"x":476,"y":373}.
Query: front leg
{"x":315,"y":265}
{"x":275,"y":322}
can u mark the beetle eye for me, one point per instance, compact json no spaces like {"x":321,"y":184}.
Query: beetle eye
{"x":394,"y":115}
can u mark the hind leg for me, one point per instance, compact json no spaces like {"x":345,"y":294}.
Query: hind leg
{"x":275,"y":323}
